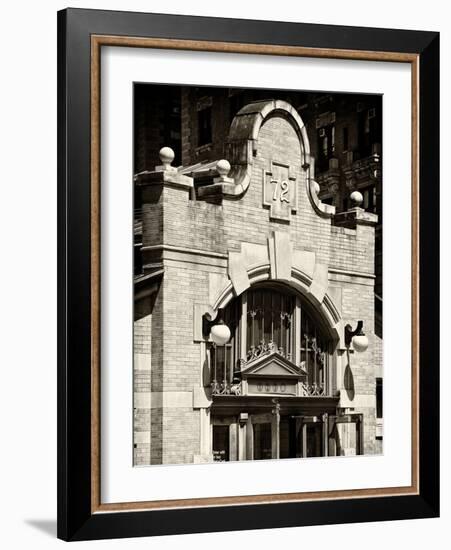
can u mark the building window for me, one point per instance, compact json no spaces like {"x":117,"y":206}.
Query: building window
{"x":265,"y":319}
{"x":345,"y":139}
{"x":269,"y":320}
{"x":327,"y":200}
{"x":326,"y":146}
{"x":313,"y":357}
{"x":222,"y":366}
{"x":369,"y":131}
{"x":204,"y":126}
{"x":369,"y":198}
{"x":379,"y":398}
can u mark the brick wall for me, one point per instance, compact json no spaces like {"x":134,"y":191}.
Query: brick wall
{"x":142,"y":342}
{"x":358,"y":303}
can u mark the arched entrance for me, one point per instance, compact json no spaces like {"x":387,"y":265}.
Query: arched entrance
{"x":274,"y":383}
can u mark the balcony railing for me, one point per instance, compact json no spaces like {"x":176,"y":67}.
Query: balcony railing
{"x":313,"y":390}
{"x":313,"y":375}
{"x":306,"y":390}
{"x":225,"y":388}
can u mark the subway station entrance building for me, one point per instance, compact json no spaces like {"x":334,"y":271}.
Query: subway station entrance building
{"x":243,"y":249}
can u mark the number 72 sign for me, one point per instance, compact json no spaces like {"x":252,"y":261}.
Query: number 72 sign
{"x":279,"y":191}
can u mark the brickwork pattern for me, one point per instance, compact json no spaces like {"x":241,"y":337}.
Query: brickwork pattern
{"x":358,"y":303}
{"x":142,"y":343}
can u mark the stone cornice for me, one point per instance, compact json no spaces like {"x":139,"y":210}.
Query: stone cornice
{"x":186,"y":250}
{"x":168,"y":178}
{"x":356,"y":216}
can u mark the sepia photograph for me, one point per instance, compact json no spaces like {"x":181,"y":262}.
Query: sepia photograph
{"x":257,"y":274}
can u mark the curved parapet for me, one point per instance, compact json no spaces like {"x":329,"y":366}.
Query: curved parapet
{"x":243,"y":137}
{"x":246,"y":125}
{"x":321,"y":208}
{"x":241,"y":146}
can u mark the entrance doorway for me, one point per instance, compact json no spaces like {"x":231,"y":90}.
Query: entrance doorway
{"x":288,"y":436}
{"x":308,"y":436}
{"x":262,"y":441}
{"x":224,"y":444}
{"x":272,"y":435}
{"x":301,"y":439}
{"x":221,"y":443}
{"x":261,"y":437}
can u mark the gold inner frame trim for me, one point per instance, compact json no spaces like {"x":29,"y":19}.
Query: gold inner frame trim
{"x":97,"y":41}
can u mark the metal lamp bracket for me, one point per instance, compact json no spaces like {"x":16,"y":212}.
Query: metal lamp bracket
{"x":210,"y":318}
{"x":349,"y":333}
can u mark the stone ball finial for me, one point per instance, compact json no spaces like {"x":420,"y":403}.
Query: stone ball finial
{"x":316,"y":186}
{"x":356,"y":198}
{"x":166,"y":155}
{"x":223,"y":167}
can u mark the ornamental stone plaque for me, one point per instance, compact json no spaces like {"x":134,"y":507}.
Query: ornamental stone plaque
{"x":280,"y":191}
{"x":273,"y":387}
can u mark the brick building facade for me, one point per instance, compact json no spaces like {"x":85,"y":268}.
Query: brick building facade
{"x":238,"y":235}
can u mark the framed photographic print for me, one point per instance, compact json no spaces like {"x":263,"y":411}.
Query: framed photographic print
{"x":248,"y":274}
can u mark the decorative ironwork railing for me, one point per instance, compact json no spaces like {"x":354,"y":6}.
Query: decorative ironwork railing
{"x":312,"y":390}
{"x":264,"y":348}
{"x":225,"y":388}
{"x":314,"y":362}
{"x":312,"y":378}
{"x":307,"y":390}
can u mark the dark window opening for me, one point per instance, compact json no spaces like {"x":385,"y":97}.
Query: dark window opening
{"x":369,"y":131}
{"x":326,"y":146}
{"x":137,"y":259}
{"x":345,"y":138}
{"x":204,"y":127}
{"x":235,"y":104}
{"x":379,"y":400}
{"x":369,"y":199}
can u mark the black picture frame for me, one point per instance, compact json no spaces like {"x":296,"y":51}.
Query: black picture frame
{"x":76,"y":521}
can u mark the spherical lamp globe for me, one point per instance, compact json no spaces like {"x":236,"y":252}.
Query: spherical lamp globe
{"x":220,"y":334}
{"x":360,"y":343}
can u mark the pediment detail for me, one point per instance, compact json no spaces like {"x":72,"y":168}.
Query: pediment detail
{"x":272,"y":364}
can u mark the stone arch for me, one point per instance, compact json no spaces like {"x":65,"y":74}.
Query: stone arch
{"x":241,"y":146}
{"x":247,"y":123}
{"x":300,"y":283}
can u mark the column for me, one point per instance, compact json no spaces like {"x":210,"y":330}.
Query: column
{"x":275,"y":432}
